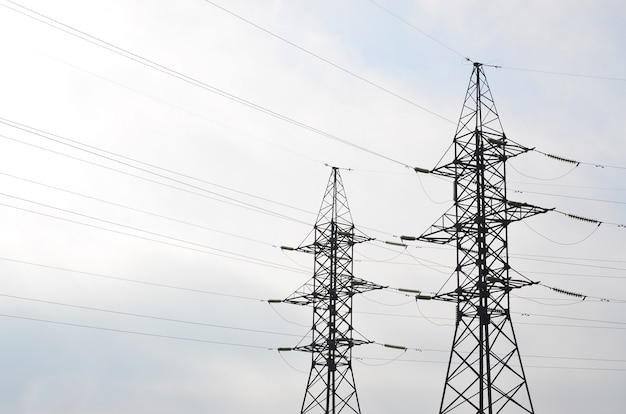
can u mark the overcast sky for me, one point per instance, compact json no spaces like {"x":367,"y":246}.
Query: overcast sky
{"x":156,"y":154}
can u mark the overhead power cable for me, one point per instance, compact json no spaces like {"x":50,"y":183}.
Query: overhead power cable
{"x":541,"y":178}
{"x":543,"y":236}
{"x":198,"y":247}
{"x":574,"y":275}
{"x":569,"y":258}
{"x":445,"y":46}
{"x":408,"y":23}
{"x":422,"y":361}
{"x":185,"y":78}
{"x":100,"y":328}
{"x":137,"y":315}
{"x":177,"y":107}
{"x":576,"y":75}
{"x":568,"y":196}
{"x":64,"y":141}
{"x":235,"y":203}
{"x":569,"y":263}
{"x":123,"y":279}
{"x":231,"y":343}
{"x":329,"y":62}
{"x":228,"y":200}
{"x":611,"y":324}
{"x":588,"y":220}
{"x":581,"y":296}
{"x":571,"y":161}
{"x":208,"y":193}
{"x":582,"y":187}
{"x":138,"y":210}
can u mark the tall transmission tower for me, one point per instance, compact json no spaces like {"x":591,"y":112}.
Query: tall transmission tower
{"x":330,"y":388}
{"x":485,"y":373}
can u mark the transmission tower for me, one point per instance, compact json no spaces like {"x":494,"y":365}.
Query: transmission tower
{"x":485,"y":373}
{"x":330,"y":388}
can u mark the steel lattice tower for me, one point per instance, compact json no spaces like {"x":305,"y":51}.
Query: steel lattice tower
{"x":330,"y":388}
{"x":485,"y":373}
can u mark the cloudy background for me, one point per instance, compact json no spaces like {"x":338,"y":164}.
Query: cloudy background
{"x":147,"y":182}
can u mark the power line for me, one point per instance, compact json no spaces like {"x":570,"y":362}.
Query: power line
{"x":576,"y":75}
{"x":100,"y":328}
{"x":570,"y":161}
{"x":585,"y":259}
{"x":122,"y":279}
{"x":584,"y":187}
{"x":227,"y":200}
{"x":525,"y":366}
{"x":235,"y":203}
{"x":246,"y":345}
{"x":56,"y":138}
{"x":434,"y":39}
{"x":224,"y":199}
{"x":574,"y":264}
{"x":137,"y":315}
{"x":187,"y":79}
{"x":199,"y":247}
{"x":180,"y":108}
{"x":563,"y":243}
{"x":574,"y":275}
{"x":454,"y":51}
{"x":613,"y":324}
{"x":571,"y":197}
{"x":138,"y":210}
{"x":336,"y":66}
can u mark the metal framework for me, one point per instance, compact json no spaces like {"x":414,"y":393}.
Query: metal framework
{"x":485,"y":372}
{"x":330,"y":388}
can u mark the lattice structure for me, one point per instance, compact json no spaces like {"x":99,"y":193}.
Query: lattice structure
{"x":485,"y":372}
{"x":330,"y":387}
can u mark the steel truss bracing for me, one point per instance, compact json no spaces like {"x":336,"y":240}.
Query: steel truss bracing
{"x":485,"y":372}
{"x":330,"y":388}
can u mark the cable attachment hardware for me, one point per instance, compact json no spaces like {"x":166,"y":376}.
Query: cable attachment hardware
{"x":568,"y":293}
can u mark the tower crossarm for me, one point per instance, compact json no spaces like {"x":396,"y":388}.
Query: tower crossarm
{"x":496,"y":147}
{"x":495,"y":285}
{"x":307,"y":294}
{"x":323,"y":347}
{"x":346,"y":236}
{"x":519,"y":211}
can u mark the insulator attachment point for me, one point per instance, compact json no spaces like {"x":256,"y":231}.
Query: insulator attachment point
{"x":403,"y":348}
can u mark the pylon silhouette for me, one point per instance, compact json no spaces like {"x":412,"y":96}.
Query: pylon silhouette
{"x":485,"y":373}
{"x":331,"y":388}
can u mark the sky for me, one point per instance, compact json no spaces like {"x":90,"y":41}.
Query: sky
{"x":155,"y":155}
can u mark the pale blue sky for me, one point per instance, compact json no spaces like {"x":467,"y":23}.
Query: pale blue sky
{"x":250,"y":167}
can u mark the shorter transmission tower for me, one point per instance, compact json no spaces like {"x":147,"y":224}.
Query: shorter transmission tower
{"x":330,"y":388}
